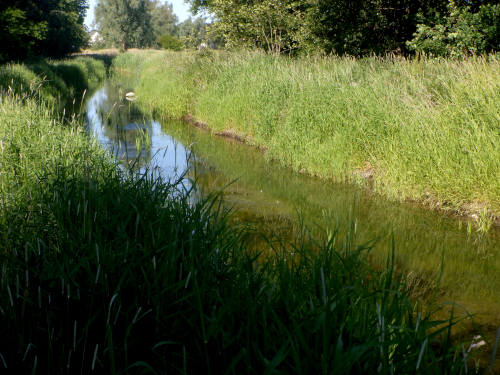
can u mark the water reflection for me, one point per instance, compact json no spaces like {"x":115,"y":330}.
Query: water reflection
{"x":134,"y":139}
{"x":272,"y":196}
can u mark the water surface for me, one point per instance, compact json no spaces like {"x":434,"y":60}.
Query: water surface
{"x":274,"y":196}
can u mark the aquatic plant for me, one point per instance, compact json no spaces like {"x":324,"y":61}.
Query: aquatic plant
{"x":116,"y":272}
{"x":416,"y":129}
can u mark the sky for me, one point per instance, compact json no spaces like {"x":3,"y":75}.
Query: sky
{"x":180,"y":9}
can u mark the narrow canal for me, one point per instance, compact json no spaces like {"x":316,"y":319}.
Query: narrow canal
{"x":274,"y":197}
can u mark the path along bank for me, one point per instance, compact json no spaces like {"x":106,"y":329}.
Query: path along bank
{"x":423,"y":130}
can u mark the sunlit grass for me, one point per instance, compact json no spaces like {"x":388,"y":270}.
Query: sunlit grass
{"x":52,"y":80}
{"x":112,"y":272}
{"x":420,"y":129}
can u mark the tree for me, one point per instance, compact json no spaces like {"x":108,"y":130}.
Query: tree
{"x":192,"y":32}
{"x":125,"y":23}
{"x":276,"y":26}
{"x":464,"y":28}
{"x":358,"y":27}
{"x":163,"y":18}
{"x":354,"y":27}
{"x":41,"y":27}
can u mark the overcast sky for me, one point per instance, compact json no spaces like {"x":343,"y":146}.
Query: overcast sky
{"x":180,"y":9}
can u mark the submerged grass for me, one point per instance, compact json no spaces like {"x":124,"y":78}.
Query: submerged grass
{"x":420,"y":129}
{"x":111,"y":272}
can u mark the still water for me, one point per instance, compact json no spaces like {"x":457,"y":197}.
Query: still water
{"x":275,"y":196}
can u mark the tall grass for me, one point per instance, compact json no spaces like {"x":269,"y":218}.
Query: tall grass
{"x":419,"y":129}
{"x":108,"y":272}
{"x":52,"y":80}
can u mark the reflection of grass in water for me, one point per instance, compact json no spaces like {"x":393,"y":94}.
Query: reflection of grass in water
{"x":472,"y":264}
{"x":424,"y":129}
{"x":107,"y":271}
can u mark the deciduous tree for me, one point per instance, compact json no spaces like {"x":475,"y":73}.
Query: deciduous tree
{"x":163,"y":18}
{"x":41,"y":27}
{"x":125,"y":23}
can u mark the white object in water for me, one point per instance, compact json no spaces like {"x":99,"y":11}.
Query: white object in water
{"x":129,"y":94}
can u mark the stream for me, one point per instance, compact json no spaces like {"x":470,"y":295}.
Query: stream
{"x":275,"y":196}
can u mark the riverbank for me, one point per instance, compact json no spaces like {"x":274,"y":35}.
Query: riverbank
{"x":421,"y":130}
{"x":52,"y":81}
{"x":110,"y":272}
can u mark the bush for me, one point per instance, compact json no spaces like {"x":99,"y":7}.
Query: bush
{"x":170,"y":42}
{"x":460,"y":32}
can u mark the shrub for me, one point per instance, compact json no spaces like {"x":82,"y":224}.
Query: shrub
{"x":170,"y":42}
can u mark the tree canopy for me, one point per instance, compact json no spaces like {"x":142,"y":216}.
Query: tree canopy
{"x":41,"y":27}
{"x":125,"y":23}
{"x":134,"y":23}
{"x":356,"y":27}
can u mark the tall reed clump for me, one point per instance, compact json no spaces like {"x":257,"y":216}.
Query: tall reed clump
{"x":420,"y":129}
{"x":108,"y":272}
{"x":52,"y":79}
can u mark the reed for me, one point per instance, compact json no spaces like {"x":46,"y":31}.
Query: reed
{"x":113,"y":272}
{"x":415,"y":129}
{"x":52,"y":80}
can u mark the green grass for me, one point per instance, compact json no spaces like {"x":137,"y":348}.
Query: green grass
{"x":51,"y":80}
{"x":425,"y":129}
{"x":111,"y":272}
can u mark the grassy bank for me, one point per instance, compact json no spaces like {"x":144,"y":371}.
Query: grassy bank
{"x":423,"y":130}
{"x":111,"y":272}
{"x":52,"y":80}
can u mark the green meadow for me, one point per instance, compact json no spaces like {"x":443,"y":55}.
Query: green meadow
{"x":419,"y":129}
{"x":107,"y":271}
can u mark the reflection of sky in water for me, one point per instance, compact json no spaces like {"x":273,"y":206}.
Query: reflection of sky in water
{"x":422,"y":237}
{"x":132,"y":137}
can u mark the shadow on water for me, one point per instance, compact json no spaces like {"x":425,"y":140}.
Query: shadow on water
{"x":272,"y":196}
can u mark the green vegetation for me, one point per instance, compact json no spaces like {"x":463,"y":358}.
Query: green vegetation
{"x":110,"y":272}
{"x":460,"y":31}
{"x":52,"y":80}
{"x":142,"y":24}
{"x":41,"y":28}
{"x":358,"y":28}
{"x":420,"y":129}
{"x":170,"y":42}
{"x":106,"y":271}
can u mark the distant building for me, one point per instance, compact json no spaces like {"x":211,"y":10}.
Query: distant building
{"x":94,"y":37}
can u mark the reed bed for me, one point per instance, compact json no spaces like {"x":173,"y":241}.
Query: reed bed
{"x":110,"y":272}
{"x":414,"y":129}
{"x":52,"y":80}
{"x":106,"y":271}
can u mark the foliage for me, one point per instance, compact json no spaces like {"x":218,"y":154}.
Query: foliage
{"x":163,"y":19}
{"x":277,"y":27}
{"x":423,"y":130}
{"x":365,"y":27}
{"x":339,"y":26}
{"x":356,"y":27}
{"x":170,"y":42}
{"x":107,"y":271}
{"x":193,"y":32}
{"x":41,"y":28}
{"x":460,"y":31}
{"x":125,"y":23}
{"x":134,"y":23}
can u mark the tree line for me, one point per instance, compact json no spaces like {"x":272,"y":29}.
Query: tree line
{"x":351,"y":27}
{"x":41,"y":28}
{"x":54,"y":28}
{"x":145,"y":24}
{"x":357,"y":27}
